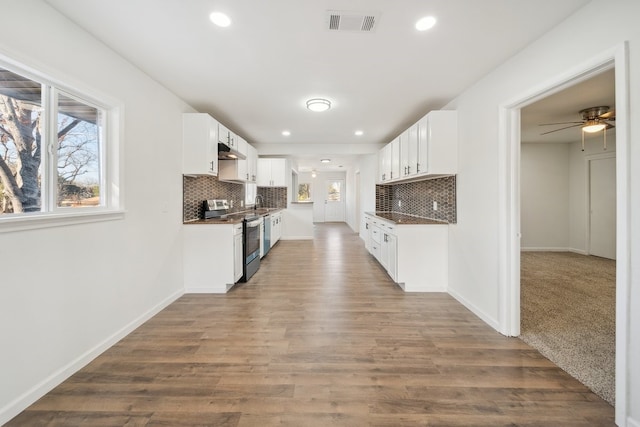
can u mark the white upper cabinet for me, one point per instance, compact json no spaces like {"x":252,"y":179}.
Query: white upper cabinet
{"x":272,"y":172}
{"x":389,"y":161}
{"x":395,"y":159}
{"x":199,"y":144}
{"x":252,"y":163}
{"x":226,"y":137}
{"x":409,"y":152}
{"x":438,"y":143}
{"x":428,"y":148}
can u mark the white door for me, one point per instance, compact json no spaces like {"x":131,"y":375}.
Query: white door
{"x":334,"y":201}
{"x":602,"y":207}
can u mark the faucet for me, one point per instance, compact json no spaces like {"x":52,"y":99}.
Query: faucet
{"x":255,"y":202}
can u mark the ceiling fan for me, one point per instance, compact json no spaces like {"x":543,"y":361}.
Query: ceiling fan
{"x":594,"y":119}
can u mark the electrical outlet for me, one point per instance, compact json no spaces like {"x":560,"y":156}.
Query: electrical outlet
{"x":231,"y":204}
{"x":435,"y":205}
{"x":399,"y":203}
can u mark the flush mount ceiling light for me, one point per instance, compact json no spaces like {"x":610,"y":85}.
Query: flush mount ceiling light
{"x":313,"y":173}
{"x":220,"y":19}
{"x":325,"y":160}
{"x":318,"y":104}
{"x":359,"y":133}
{"x":286,"y":133}
{"x":425,"y":23}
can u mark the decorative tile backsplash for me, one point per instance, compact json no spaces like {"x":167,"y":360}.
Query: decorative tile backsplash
{"x":274,"y":197}
{"x":416,"y":198}
{"x":197,"y":189}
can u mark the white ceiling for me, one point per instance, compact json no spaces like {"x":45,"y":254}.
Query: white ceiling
{"x":564,"y":106}
{"x":255,"y":75}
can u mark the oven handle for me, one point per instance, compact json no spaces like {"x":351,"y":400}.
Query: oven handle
{"x":255,"y":223}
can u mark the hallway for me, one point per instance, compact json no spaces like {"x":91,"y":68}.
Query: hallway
{"x":319,"y":336}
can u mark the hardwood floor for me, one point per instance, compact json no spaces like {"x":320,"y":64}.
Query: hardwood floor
{"x":320,"y":336}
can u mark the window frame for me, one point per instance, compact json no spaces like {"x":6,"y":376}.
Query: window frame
{"x":110,"y":157}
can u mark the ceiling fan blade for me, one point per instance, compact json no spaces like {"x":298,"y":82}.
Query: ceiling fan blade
{"x":559,"y":123}
{"x":567,"y":127}
{"x":609,"y":115}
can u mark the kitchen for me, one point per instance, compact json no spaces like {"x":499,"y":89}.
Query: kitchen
{"x":426,"y":153}
{"x":134,"y":258}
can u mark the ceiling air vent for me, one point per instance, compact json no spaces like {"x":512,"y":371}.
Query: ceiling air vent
{"x":349,"y":20}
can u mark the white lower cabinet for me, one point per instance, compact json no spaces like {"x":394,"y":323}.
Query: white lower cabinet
{"x":212,"y":257}
{"x":389,"y":254}
{"x":238,"y":258}
{"x":276,"y":227}
{"x":414,"y":255}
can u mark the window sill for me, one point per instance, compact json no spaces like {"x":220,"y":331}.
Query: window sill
{"x":49,"y":220}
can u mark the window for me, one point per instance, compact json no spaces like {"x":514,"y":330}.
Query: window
{"x":54,"y":151}
{"x":304,"y":192}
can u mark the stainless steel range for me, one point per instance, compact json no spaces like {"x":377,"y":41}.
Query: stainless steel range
{"x":215,"y":208}
{"x":251,"y":247}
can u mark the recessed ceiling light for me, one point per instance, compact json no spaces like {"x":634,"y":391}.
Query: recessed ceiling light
{"x":286,"y":133}
{"x":425,"y":23}
{"x":318,"y":104}
{"x":220,"y":19}
{"x":325,"y":160}
{"x":359,"y":133}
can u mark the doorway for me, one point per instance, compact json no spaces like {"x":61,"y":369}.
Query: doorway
{"x":334,"y":200}
{"x":510,"y":233}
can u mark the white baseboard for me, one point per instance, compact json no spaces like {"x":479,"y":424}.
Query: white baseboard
{"x":25,"y":400}
{"x":475,"y":310}
{"x":208,"y":290}
{"x":554,"y":249}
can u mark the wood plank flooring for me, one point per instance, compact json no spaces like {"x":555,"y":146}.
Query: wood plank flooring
{"x":319,"y":337}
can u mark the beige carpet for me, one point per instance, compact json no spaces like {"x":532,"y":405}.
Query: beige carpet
{"x":568,"y":314}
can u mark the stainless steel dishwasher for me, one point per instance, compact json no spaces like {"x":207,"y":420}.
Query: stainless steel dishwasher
{"x":267,"y":234}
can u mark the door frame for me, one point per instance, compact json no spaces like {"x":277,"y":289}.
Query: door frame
{"x":509,"y":200}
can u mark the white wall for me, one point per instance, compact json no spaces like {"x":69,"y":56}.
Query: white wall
{"x":474,"y":250}
{"x":69,"y":292}
{"x":544,"y":192}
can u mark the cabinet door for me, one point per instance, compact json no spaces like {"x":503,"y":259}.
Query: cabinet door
{"x":412,"y":147}
{"x":423,"y":146}
{"x":199,"y":144}
{"x":224,"y":135}
{"x":264,"y":172}
{"x":395,"y":159}
{"x":252,"y":164}
{"x":237,"y":256}
{"x":391,"y":249}
{"x":409,"y":151}
{"x":278,"y":172}
{"x":382,"y":163}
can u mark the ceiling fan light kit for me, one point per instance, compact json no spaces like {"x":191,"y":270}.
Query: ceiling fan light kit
{"x":594,"y":119}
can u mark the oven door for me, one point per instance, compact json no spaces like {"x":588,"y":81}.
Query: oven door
{"x":251,"y":246}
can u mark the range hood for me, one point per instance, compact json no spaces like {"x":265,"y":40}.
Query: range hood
{"x":226,"y":153}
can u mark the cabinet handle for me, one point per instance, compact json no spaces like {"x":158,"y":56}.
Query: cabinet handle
{"x":408,"y":170}
{"x":417,"y":167}
{"x":211,"y":165}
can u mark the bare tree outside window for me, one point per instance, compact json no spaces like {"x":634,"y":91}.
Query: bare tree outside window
{"x":23,"y":140}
